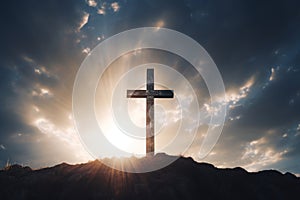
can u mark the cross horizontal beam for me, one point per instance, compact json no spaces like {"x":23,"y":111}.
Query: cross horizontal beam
{"x":150,"y":93}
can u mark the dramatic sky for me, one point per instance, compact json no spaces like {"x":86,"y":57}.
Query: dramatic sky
{"x":255,"y":44}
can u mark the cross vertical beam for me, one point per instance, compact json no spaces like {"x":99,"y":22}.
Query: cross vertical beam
{"x":150,"y":113}
{"x":150,"y":94}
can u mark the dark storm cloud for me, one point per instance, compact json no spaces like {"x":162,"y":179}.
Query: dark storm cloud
{"x":242,"y":35}
{"x":36,"y":37}
{"x":133,"y":14}
{"x":43,"y":30}
{"x":11,"y":121}
{"x":249,"y":38}
{"x":277,"y":104}
{"x":16,"y":86}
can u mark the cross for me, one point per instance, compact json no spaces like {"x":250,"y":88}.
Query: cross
{"x":150,"y":94}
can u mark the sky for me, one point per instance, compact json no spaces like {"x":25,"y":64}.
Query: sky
{"x":255,"y":44}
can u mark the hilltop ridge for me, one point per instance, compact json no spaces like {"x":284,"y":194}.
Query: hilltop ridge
{"x":183,"y":179}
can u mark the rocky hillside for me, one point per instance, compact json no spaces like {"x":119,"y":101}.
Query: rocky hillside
{"x":183,"y":179}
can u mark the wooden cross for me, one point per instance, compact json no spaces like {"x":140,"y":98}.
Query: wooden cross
{"x":150,"y":94}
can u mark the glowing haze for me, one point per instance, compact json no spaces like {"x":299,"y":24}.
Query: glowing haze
{"x":254,"y":44}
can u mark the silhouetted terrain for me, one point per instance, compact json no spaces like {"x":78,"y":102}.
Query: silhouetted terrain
{"x":183,"y":179}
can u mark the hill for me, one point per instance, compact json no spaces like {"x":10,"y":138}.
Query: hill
{"x":183,"y":179}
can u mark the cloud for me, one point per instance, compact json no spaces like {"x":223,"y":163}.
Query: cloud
{"x":86,"y":50}
{"x":37,"y":44}
{"x":101,"y":11}
{"x":115,"y":6}
{"x":160,"y":24}
{"x":84,"y":20}
{"x":271,"y":106}
{"x":47,"y":127}
{"x":234,"y":96}
{"x":2,"y":147}
{"x":259,"y":154}
{"x":91,"y":3}
{"x":67,"y":136}
{"x":272,"y":77}
{"x":29,"y":26}
{"x":42,"y":92}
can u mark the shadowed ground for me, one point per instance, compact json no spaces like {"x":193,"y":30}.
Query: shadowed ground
{"x":183,"y":179}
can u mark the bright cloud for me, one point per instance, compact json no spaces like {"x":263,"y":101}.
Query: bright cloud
{"x":68,"y":136}
{"x":272,"y":77}
{"x":235,"y":118}
{"x":37,"y":71}
{"x":84,"y":20}
{"x":159,"y":24}
{"x":284,"y":135}
{"x":41,"y":92}
{"x":91,"y":3}
{"x":41,"y":70}
{"x":86,"y":50}
{"x":259,"y":154}
{"x":48,"y":128}
{"x":115,"y":6}
{"x":101,"y":11}
{"x":234,"y":96}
